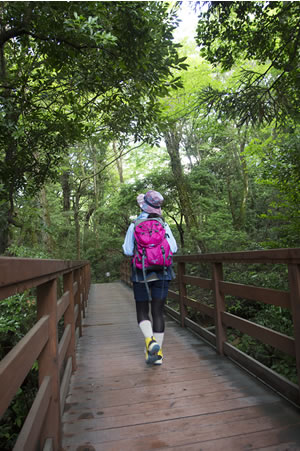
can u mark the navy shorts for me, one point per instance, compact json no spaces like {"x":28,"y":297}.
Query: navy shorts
{"x":158,"y":290}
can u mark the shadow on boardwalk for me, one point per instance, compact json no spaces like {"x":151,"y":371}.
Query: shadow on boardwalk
{"x":195,"y":401}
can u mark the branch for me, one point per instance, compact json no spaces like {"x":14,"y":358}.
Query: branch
{"x":111,"y":162}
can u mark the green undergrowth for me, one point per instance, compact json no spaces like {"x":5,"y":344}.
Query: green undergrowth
{"x":276,"y":318}
{"x":17,"y":316}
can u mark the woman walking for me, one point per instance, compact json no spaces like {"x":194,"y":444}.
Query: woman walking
{"x":150,"y":234}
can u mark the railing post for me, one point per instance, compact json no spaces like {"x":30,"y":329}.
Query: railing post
{"x":294,"y":283}
{"x":69,"y":317}
{"x":48,"y":361}
{"x":89,"y":276}
{"x":219,"y":307}
{"x":78,"y":301}
{"x":182,"y":292}
{"x":86,"y":284}
{"x":81,"y":285}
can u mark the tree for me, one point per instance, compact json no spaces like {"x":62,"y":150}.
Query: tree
{"x":178,"y":108}
{"x":276,"y":158}
{"x":231,"y":33}
{"x":68,"y":68}
{"x":173,"y":136}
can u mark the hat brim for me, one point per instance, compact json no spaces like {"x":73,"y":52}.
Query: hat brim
{"x":148,"y":209}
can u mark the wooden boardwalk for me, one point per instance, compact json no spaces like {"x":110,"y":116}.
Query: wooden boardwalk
{"x":195,"y":401}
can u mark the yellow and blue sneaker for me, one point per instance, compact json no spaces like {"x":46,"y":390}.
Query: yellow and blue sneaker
{"x":159,"y":358}
{"x":152,"y":349}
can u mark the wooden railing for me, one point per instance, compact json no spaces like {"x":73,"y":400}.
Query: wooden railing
{"x":56,"y":359}
{"x":221,"y":319}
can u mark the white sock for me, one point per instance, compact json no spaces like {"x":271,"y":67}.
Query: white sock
{"x":146,"y":328}
{"x":159,"y":337}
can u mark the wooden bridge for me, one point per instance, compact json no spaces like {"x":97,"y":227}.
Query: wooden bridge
{"x":104,"y":397}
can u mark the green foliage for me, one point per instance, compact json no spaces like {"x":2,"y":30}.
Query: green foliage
{"x":26,"y":252}
{"x":276,"y":158}
{"x":17,"y":316}
{"x":69,"y":69}
{"x":276,"y":360}
{"x":267,"y":32}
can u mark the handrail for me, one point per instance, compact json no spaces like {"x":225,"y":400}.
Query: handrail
{"x":56,"y":360}
{"x":223,"y":319}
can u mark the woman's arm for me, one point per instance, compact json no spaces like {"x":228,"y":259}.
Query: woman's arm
{"x":128,"y":245}
{"x":171,"y":239}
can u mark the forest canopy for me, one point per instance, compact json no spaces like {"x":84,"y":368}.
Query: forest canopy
{"x":99,"y":103}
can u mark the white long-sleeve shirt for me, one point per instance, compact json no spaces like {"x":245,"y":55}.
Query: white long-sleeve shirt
{"x":128,"y":245}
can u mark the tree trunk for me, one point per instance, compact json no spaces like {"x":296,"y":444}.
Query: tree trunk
{"x":172,"y":139}
{"x":118,"y":162}
{"x":65,"y":184}
{"x":238,"y":209}
{"x":77,"y":225}
{"x":47,"y":237}
{"x":245,"y":180}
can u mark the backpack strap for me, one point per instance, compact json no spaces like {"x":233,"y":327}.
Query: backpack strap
{"x":145,"y":277}
{"x":141,"y":220}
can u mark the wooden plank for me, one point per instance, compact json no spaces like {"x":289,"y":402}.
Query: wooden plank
{"x":48,"y":361}
{"x":69,"y":317}
{"x":198,"y":281}
{"x":170,"y":311}
{"x":180,"y":431}
{"x":268,"y":336}
{"x":273,"y":379}
{"x":219,"y":307}
{"x":14,"y":270}
{"x":62,"y":304}
{"x":266,"y":295}
{"x":64,"y":386}
{"x":77,"y":301}
{"x":294,"y":282}
{"x":182,"y":292}
{"x":18,"y":362}
{"x":75,"y":287}
{"x":173,"y":295}
{"x":206,"y":334}
{"x":63,"y":346}
{"x":199,"y":307}
{"x":116,"y":401}
{"x":268,"y":256}
{"x":270,"y":440}
{"x":76,"y":310}
{"x":11,"y":290}
{"x":29,"y":435}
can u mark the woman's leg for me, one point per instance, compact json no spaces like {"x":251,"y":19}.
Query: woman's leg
{"x":157,"y":311}
{"x":142,"y":308}
{"x":159,"y":294}
{"x":143,"y":319}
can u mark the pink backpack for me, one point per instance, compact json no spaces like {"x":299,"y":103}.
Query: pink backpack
{"x":152,"y":250}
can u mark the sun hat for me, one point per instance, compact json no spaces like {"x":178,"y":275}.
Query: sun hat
{"x":150,"y":202}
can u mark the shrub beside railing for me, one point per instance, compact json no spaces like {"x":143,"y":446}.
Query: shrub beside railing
{"x":56,"y":358}
{"x":222,"y":319}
